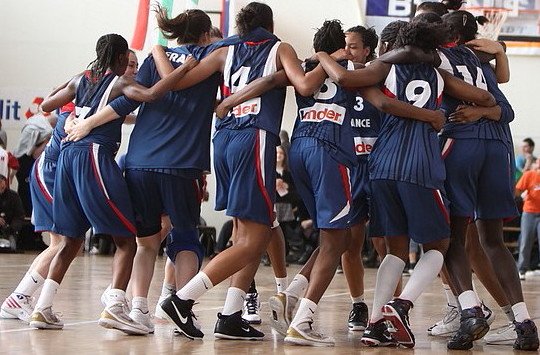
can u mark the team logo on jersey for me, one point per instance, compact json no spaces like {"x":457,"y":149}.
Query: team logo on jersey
{"x":364,"y":145}
{"x":323,"y":112}
{"x":250,"y":107}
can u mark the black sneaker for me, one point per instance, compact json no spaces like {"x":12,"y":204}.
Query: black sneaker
{"x":472,"y":326}
{"x":179,"y":312}
{"x":235,"y":327}
{"x":397,"y":313}
{"x":527,"y":336}
{"x":377,"y":334}
{"x":358,"y":318}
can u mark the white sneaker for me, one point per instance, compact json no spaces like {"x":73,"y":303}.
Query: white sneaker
{"x":143,"y":318}
{"x":46,"y":319}
{"x":503,"y":336}
{"x":282,"y":307}
{"x":488,"y":314}
{"x":17,"y":306}
{"x":115,"y":316}
{"x":252,"y":305}
{"x":449,"y":324}
{"x":305,"y":335}
{"x":159,"y":312}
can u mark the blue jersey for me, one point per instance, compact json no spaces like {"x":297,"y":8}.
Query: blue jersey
{"x":408,"y":150}
{"x":52,"y":150}
{"x":254,"y":57}
{"x":366,"y":125}
{"x":326,"y":116}
{"x":89,"y":99}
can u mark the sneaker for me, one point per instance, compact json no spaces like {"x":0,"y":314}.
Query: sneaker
{"x":504,"y":336}
{"x":142,"y":318}
{"x":115,"y":316}
{"x":235,"y":327}
{"x":180,"y":313}
{"x":527,"y":336}
{"x":339,"y":269}
{"x":17,"y":306}
{"x":377,"y":334}
{"x":103,"y":299}
{"x":397,"y":313}
{"x":251,"y":308}
{"x":307,"y":336}
{"x":448,"y":325}
{"x":358,"y":318}
{"x":282,"y":307}
{"x":46,"y":319}
{"x":522,"y":275}
{"x":473,"y":326}
{"x":488,"y":314}
{"x":159,"y":313}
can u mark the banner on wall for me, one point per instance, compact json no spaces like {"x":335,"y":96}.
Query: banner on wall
{"x":17,"y":104}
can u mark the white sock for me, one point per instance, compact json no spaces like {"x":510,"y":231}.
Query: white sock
{"x":281,"y":284}
{"x":305,"y":313}
{"x":167,"y":289}
{"x":196,"y":287}
{"x":114,"y":295}
{"x":234,"y":301}
{"x":140,"y":303}
{"x":468,"y":299}
{"x":507,"y":310}
{"x":520,"y":312}
{"x":425,"y":271}
{"x":48,"y":292}
{"x":29,"y":283}
{"x":388,"y":277}
{"x":450,"y":298}
{"x":357,"y":299}
{"x":298,"y":286}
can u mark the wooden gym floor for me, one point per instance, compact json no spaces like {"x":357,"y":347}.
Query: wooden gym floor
{"x":78,"y":300}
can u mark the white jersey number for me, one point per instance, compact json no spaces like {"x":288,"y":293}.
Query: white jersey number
{"x":467,"y":77}
{"x":239,"y":79}
{"x":419,"y":92}
{"x":327,"y":91}
{"x":359,"y":104}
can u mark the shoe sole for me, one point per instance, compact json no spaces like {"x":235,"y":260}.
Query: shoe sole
{"x":403,"y":334}
{"x":278,"y":319}
{"x":443,"y":334}
{"x":234,"y":337}
{"x":478,"y":332}
{"x":43,"y":325}
{"x":356,"y":328}
{"x":114,"y":324}
{"x":374,"y":343}
{"x":306,"y":342}
{"x":160,"y":313}
{"x":180,"y":330}
{"x":253,"y":321}
{"x":6,"y":314}
{"x":501,"y":342}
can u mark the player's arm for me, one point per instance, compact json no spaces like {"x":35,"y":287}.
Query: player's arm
{"x":163,"y":64}
{"x":486,"y":49}
{"x":304,"y":83}
{"x":80,"y":129}
{"x":62,"y":95}
{"x":213,"y":63}
{"x":411,"y":54}
{"x":371,"y":75}
{"x":252,"y":90}
{"x":461,"y":90}
{"x":402,"y":109}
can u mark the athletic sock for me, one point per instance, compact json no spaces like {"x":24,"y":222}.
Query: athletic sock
{"x":281,"y":284}
{"x":305,"y":313}
{"x":426,"y":270}
{"x":29,"y":283}
{"x":113,"y":296}
{"x":298,"y":286}
{"x":140,"y":303}
{"x":507,"y":310}
{"x":234,"y":301}
{"x":468,"y":299}
{"x":388,"y":277}
{"x":520,"y":312}
{"x":357,"y":299}
{"x":48,"y":292}
{"x":451,"y":299}
{"x":196,"y":287}
{"x":167,"y":289}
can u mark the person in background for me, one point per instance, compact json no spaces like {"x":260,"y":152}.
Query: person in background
{"x":11,"y":209}
{"x":525,"y":160}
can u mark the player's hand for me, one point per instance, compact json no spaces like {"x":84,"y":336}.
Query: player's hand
{"x":190,"y":62}
{"x":71,"y":121}
{"x":222,"y":109}
{"x":340,"y":54}
{"x":465,"y":114}
{"x":438,"y":121}
{"x":79,"y":131}
{"x":486,"y":45}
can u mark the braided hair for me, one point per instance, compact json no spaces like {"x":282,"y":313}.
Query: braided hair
{"x":253,"y":15}
{"x":369,"y":37}
{"x":188,"y":27}
{"x":329,"y":38}
{"x":390,"y":33}
{"x":108,"y":48}
{"x":432,"y":6}
{"x":423,"y":34}
{"x":464,"y":25}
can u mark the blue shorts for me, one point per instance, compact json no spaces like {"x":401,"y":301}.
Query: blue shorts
{"x":479,"y":179}
{"x":401,"y":208}
{"x":245,"y":168}
{"x":90,"y":191}
{"x":360,"y":193}
{"x":42,"y":189}
{"x":154,"y":194}
{"x":323,"y":183}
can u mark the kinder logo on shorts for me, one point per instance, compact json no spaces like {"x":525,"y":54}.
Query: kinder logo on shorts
{"x":251,"y":107}
{"x":323,"y":112}
{"x":364,"y":145}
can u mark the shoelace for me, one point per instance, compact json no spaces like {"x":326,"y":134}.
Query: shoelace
{"x":251,"y":304}
{"x":451,"y":315}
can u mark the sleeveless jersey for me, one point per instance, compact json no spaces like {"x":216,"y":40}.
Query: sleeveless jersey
{"x":326,"y":116}
{"x":366,"y":125}
{"x":254,"y":57}
{"x":408,"y":150}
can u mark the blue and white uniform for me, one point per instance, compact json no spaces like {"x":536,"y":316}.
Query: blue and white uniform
{"x":90,"y":189}
{"x":246,"y":139}
{"x":406,"y":168}
{"x":479,"y":155}
{"x":322,"y":153}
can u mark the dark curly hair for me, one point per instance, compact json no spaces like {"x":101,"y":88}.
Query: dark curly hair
{"x":369,"y":37}
{"x":329,"y":38}
{"x":108,"y":48}
{"x":390,"y":33}
{"x":432,"y":6}
{"x":253,"y":15}
{"x":188,"y":27}
{"x":422,"y":34}
{"x":453,"y":5}
{"x":464,"y":25}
